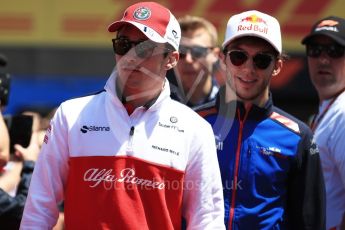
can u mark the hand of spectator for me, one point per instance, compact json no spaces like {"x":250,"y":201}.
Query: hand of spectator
{"x":31,"y":152}
{"x":11,"y":176}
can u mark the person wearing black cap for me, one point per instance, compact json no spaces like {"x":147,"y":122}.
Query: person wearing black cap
{"x":325,"y":48}
{"x":130,"y":157}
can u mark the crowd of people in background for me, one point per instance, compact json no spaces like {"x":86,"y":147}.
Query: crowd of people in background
{"x":166,"y":145}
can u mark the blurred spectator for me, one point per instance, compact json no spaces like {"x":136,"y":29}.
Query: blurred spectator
{"x":4,"y":137}
{"x":4,"y":143}
{"x":15,"y":175}
{"x":325,"y":49}
{"x":11,"y":208}
{"x":198,"y":56}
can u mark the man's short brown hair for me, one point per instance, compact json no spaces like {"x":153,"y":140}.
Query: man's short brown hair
{"x":192,"y":23}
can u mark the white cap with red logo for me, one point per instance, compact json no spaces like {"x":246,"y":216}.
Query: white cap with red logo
{"x":254,"y":23}
{"x":154,"y":20}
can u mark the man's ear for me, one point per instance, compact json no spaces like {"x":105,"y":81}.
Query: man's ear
{"x":215,"y":54}
{"x":222,"y":60}
{"x":172,"y":59}
{"x":278,"y":67}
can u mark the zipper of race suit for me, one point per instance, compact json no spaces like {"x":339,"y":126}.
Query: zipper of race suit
{"x":237,"y":162}
{"x":130,"y":141}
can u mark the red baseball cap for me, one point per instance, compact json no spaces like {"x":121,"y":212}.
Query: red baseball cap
{"x":154,"y":20}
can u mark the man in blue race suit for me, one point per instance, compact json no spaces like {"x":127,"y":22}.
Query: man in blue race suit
{"x":270,"y":165}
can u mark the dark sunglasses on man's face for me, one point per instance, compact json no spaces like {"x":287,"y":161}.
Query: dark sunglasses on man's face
{"x":143,"y":48}
{"x":195,"y":51}
{"x":332,"y":50}
{"x":260,"y":60}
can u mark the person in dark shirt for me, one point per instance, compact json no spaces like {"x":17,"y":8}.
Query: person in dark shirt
{"x":11,"y":208}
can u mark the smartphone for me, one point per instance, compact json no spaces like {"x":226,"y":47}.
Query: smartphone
{"x":20,"y":130}
{"x":5,"y":81}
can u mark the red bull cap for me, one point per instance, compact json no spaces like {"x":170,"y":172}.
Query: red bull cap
{"x":254,"y":23}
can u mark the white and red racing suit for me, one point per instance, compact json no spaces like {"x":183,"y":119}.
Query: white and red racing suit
{"x":115,"y":171}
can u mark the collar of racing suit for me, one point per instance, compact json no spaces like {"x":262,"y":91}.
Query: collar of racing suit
{"x":110,"y":88}
{"x":256,"y":113}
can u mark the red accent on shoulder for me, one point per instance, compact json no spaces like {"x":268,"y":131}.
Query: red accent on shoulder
{"x":207,"y":112}
{"x":285,"y":121}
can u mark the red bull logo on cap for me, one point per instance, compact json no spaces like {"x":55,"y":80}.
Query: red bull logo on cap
{"x":254,"y":19}
{"x":257,"y":24}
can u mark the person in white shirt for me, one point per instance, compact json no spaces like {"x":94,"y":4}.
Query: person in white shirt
{"x":325,"y":48}
{"x":130,"y":157}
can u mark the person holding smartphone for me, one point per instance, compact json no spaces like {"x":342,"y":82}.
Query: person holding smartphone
{"x":11,"y":207}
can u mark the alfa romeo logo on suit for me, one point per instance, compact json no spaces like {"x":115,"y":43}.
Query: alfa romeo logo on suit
{"x":142,"y":13}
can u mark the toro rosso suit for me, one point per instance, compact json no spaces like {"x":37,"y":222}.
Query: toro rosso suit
{"x":270,"y":167}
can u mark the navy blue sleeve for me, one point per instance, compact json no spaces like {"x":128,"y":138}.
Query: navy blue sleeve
{"x":306,"y":190}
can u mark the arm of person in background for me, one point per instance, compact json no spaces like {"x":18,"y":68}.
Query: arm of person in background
{"x":48,"y":180}
{"x":4,"y":143}
{"x":10,"y":178}
{"x":306,"y":202}
{"x":336,"y":146}
{"x":11,"y":208}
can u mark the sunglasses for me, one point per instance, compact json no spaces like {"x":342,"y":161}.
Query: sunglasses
{"x":332,"y":50}
{"x":260,"y":60}
{"x":195,"y":51}
{"x":142,"y":48}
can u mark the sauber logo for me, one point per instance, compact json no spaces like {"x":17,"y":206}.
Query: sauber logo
{"x":127,"y":175}
{"x":91,"y":128}
{"x":172,"y":127}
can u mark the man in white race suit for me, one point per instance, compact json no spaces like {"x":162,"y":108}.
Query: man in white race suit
{"x":130,"y":157}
